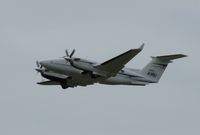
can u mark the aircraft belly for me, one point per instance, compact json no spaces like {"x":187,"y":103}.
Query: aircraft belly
{"x":81,"y":81}
{"x":117,"y":80}
{"x":123,"y":81}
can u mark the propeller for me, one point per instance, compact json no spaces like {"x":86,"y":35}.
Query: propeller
{"x":38,"y":64}
{"x":68,"y":56}
{"x":72,"y":53}
{"x":39,"y":67}
{"x":67,"y":53}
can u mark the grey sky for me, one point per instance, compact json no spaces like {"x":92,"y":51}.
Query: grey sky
{"x":99,"y":30}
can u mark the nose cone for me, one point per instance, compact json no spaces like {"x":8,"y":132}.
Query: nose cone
{"x":45,"y":63}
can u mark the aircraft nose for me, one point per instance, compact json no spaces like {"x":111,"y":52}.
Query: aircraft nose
{"x":44,"y":63}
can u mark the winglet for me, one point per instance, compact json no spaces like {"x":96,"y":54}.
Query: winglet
{"x":142,"y":46}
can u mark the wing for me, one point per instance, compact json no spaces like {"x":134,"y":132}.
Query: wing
{"x":114,"y":65}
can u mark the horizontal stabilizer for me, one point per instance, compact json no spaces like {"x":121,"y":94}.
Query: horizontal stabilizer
{"x":168,"y":58}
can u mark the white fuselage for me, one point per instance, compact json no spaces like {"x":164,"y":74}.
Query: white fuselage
{"x":71,"y":71}
{"x":61,"y":66}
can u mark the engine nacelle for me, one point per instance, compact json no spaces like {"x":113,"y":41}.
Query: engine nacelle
{"x":83,"y":66}
{"x":88,"y":68}
{"x":54,"y":76}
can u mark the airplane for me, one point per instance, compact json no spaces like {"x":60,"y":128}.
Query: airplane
{"x":70,"y":72}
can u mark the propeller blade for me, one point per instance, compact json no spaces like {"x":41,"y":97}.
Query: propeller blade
{"x":38,"y":70}
{"x":72,"y":53}
{"x":67,"y":58}
{"x":67,"y":53}
{"x":38,"y":64}
{"x":70,"y":60}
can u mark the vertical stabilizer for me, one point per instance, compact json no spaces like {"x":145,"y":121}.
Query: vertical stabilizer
{"x":155,"y":69}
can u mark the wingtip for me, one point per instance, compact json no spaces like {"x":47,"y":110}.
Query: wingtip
{"x":142,"y":46}
{"x":184,"y":55}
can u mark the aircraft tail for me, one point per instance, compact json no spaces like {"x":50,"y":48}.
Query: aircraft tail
{"x":155,"y":69}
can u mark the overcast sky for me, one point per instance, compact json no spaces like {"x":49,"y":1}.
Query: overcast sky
{"x":33,"y":30}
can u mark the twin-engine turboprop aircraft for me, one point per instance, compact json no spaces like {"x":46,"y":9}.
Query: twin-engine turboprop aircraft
{"x":71,"y":72}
